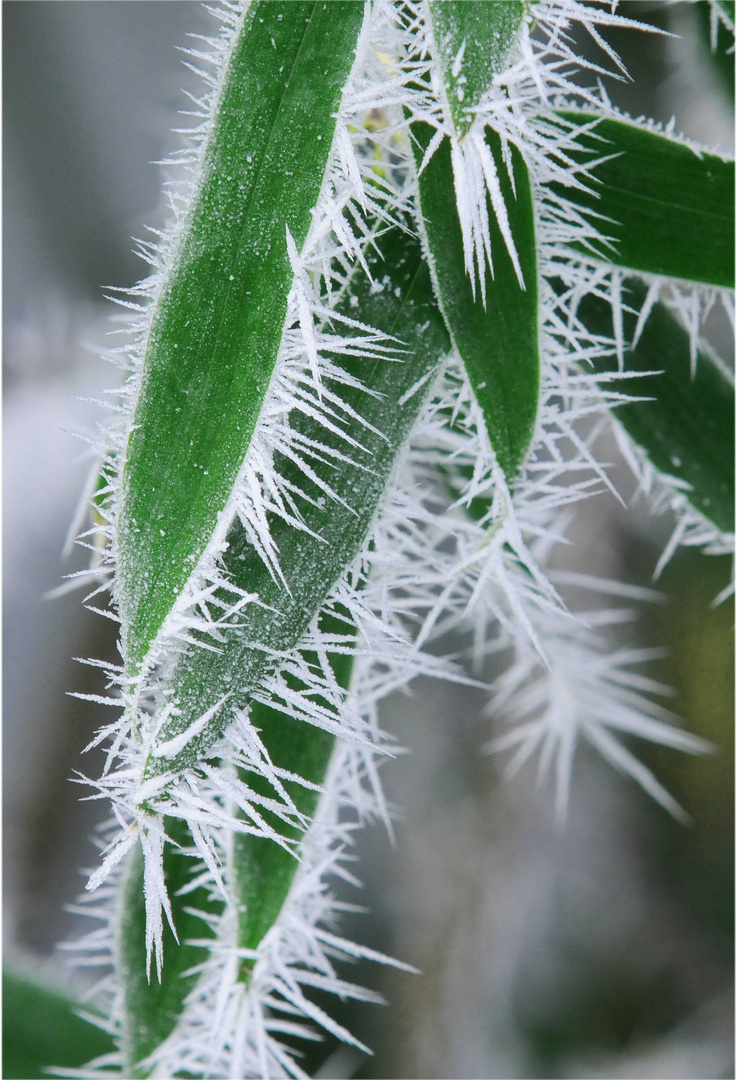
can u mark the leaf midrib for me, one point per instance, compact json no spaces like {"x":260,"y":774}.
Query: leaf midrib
{"x":666,"y":203}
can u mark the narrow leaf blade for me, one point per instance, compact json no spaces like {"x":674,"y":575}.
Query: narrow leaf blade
{"x":152,"y":1008}
{"x":263,"y":871}
{"x":498,"y":343}
{"x":218,"y":323}
{"x":667,"y":209}
{"x":41,"y":1029}
{"x":473,"y":42}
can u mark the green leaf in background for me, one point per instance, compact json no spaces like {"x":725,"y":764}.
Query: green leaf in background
{"x":498,"y":342}
{"x":687,"y":429}
{"x":218,"y":323}
{"x":41,"y":1029}
{"x":473,"y":42}
{"x":700,"y":647}
{"x":671,"y":210}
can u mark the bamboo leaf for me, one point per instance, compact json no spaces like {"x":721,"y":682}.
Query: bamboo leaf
{"x":399,"y":302}
{"x":668,"y":209}
{"x":263,"y":871}
{"x":152,"y":1007}
{"x":41,"y":1029}
{"x":498,"y":341}
{"x":219,"y":320}
{"x":404,"y":307}
{"x":473,"y":42}
{"x":687,"y":428}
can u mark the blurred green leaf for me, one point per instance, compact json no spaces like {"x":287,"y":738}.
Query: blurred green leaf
{"x":687,"y":428}
{"x":41,"y":1029}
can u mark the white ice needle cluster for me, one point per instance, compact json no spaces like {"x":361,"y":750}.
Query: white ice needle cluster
{"x":587,"y":690}
{"x":540,"y":71}
{"x":454,"y":546}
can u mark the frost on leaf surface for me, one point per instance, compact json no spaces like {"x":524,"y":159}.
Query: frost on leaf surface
{"x":472,"y":45}
{"x":394,"y":245}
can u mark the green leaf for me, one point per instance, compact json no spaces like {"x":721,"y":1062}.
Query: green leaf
{"x":219,"y":320}
{"x":399,"y":302}
{"x":497,"y":342}
{"x":404,"y":307}
{"x":687,"y":429}
{"x":41,"y":1029}
{"x":671,"y":210}
{"x":152,"y":1008}
{"x":264,"y":871}
{"x":473,"y":42}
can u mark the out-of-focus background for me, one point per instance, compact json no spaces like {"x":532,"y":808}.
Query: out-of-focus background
{"x":604,"y":950}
